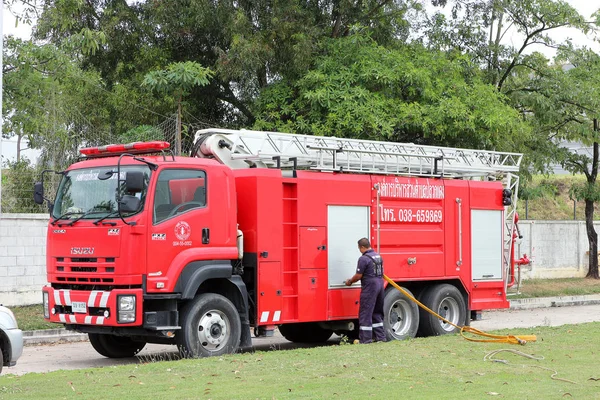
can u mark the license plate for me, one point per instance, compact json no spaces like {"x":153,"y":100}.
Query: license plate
{"x":78,"y":307}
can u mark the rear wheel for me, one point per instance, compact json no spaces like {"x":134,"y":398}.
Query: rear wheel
{"x":113,"y":346}
{"x":447,"y":301}
{"x":1,"y":360}
{"x":210,"y":326}
{"x":306,"y":332}
{"x":400,"y":315}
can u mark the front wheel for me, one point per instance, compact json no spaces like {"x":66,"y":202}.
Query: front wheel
{"x":113,"y":346}
{"x":447,"y":301}
{"x":210,"y":326}
{"x":400,"y":315}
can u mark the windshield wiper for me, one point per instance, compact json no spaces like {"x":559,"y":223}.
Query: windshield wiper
{"x":85,"y":214}
{"x":53,"y":222}
{"x":110,"y":214}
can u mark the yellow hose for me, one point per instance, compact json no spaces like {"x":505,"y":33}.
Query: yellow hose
{"x":521,"y":339}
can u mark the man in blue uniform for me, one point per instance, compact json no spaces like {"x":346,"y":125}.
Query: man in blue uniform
{"x":369,"y":272}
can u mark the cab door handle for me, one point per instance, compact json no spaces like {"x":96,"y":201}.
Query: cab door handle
{"x":205,"y":235}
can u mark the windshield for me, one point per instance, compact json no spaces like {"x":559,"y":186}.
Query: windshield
{"x":82,"y":195}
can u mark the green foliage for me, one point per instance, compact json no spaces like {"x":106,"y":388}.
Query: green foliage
{"x":17,"y":187}
{"x":142,"y":133}
{"x":178,"y":78}
{"x":585,"y":191}
{"x":363,"y":90}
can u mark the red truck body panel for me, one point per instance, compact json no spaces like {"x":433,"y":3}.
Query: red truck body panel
{"x":285,"y":223}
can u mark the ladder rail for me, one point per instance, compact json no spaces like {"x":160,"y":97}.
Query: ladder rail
{"x":365,"y":156}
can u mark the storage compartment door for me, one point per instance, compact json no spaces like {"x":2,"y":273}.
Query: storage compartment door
{"x":486,"y":236}
{"x":345,"y":226}
{"x":313,"y":247}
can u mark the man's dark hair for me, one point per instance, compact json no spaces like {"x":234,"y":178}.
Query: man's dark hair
{"x":364,"y":242}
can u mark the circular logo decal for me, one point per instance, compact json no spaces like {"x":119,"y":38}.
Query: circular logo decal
{"x":183,"y":230}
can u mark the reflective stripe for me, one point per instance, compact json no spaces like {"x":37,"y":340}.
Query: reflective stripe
{"x":62,"y":318}
{"x":366,"y":328}
{"x":92,"y":298}
{"x":73,"y":319}
{"x":276,"y":316}
{"x":87,"y":320}
{"x":377,"y":325}
{"x":264,"y":317}
{"x":67,"y":297}
{"x":104,"y":300}
{"x":57,"y":298}
{"x":100,"y":321}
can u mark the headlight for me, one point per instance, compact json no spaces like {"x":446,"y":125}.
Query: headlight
{"x":125,"y":309}
{"x":46,"y":306}
{"x":126,"y":303}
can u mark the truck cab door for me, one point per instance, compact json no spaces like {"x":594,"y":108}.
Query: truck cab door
{"x":180,"y":218}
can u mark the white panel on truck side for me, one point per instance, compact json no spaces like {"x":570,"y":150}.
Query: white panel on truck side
{"x":486,"y":244}
{"x":345,"y":226}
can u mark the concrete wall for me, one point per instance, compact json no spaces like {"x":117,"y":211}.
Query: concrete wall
{"x":22,"y":258}
{"x":558,"y":249}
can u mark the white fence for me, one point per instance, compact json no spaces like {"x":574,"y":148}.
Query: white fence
{"x":559,"y":249}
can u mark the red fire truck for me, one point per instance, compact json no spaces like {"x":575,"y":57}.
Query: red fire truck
{"x":259,"y":230}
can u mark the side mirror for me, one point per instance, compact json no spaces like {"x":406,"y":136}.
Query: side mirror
{"x":129,"y":204}
{"x":134,"y":181}
{"x":38,"y":193}
{"x":104,"y":175}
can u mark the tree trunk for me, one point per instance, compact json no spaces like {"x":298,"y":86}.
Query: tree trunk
{"x":19,"y":147}
{"x":592,"y":239}
{"x":589,"y":213}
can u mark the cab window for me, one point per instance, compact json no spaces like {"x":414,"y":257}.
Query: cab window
{"x":178,"y":191}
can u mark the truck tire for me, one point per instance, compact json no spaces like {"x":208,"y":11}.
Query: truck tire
{"x":447,"y":301}
{"x":113,"y":346}
{"x":305,"y":332}
{"x":400,"y":315}
{"x":1,"y":360}
{"x":210,"y":326}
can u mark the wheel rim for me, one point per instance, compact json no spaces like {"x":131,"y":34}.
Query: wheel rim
{"x":400,"y":318}
{"x":450,"y":310}
{"x":213,"y":330}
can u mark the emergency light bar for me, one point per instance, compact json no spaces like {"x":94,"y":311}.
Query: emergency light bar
{"x":132,"y":148}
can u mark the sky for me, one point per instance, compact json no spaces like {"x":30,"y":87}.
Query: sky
{"x":585,"y":7}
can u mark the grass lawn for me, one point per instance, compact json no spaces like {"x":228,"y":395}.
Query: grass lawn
{"x":558,"y":287}
{"x":446,"y":367}
{"x":31,"y":318}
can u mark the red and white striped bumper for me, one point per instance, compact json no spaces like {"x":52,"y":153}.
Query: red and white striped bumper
{"x":60,"y":302}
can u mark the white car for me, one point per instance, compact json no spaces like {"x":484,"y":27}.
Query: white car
{"x":11,"y":338}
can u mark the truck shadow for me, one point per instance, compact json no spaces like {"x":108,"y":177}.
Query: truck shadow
{"x":275,"y":343}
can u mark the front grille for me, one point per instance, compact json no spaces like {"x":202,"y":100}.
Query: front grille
{"x":83,"y":270}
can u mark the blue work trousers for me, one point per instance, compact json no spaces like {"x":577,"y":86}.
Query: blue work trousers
{"x":370,"y":314}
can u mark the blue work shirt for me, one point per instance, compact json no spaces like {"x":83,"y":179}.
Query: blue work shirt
{"x":366,"y":266}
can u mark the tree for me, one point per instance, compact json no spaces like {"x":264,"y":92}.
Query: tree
{"x":477,"y":27}
{"x":177,"y":80}
{"x":363,"y":90}
{"x":50,"y":101}
{"x":248,"y":44}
